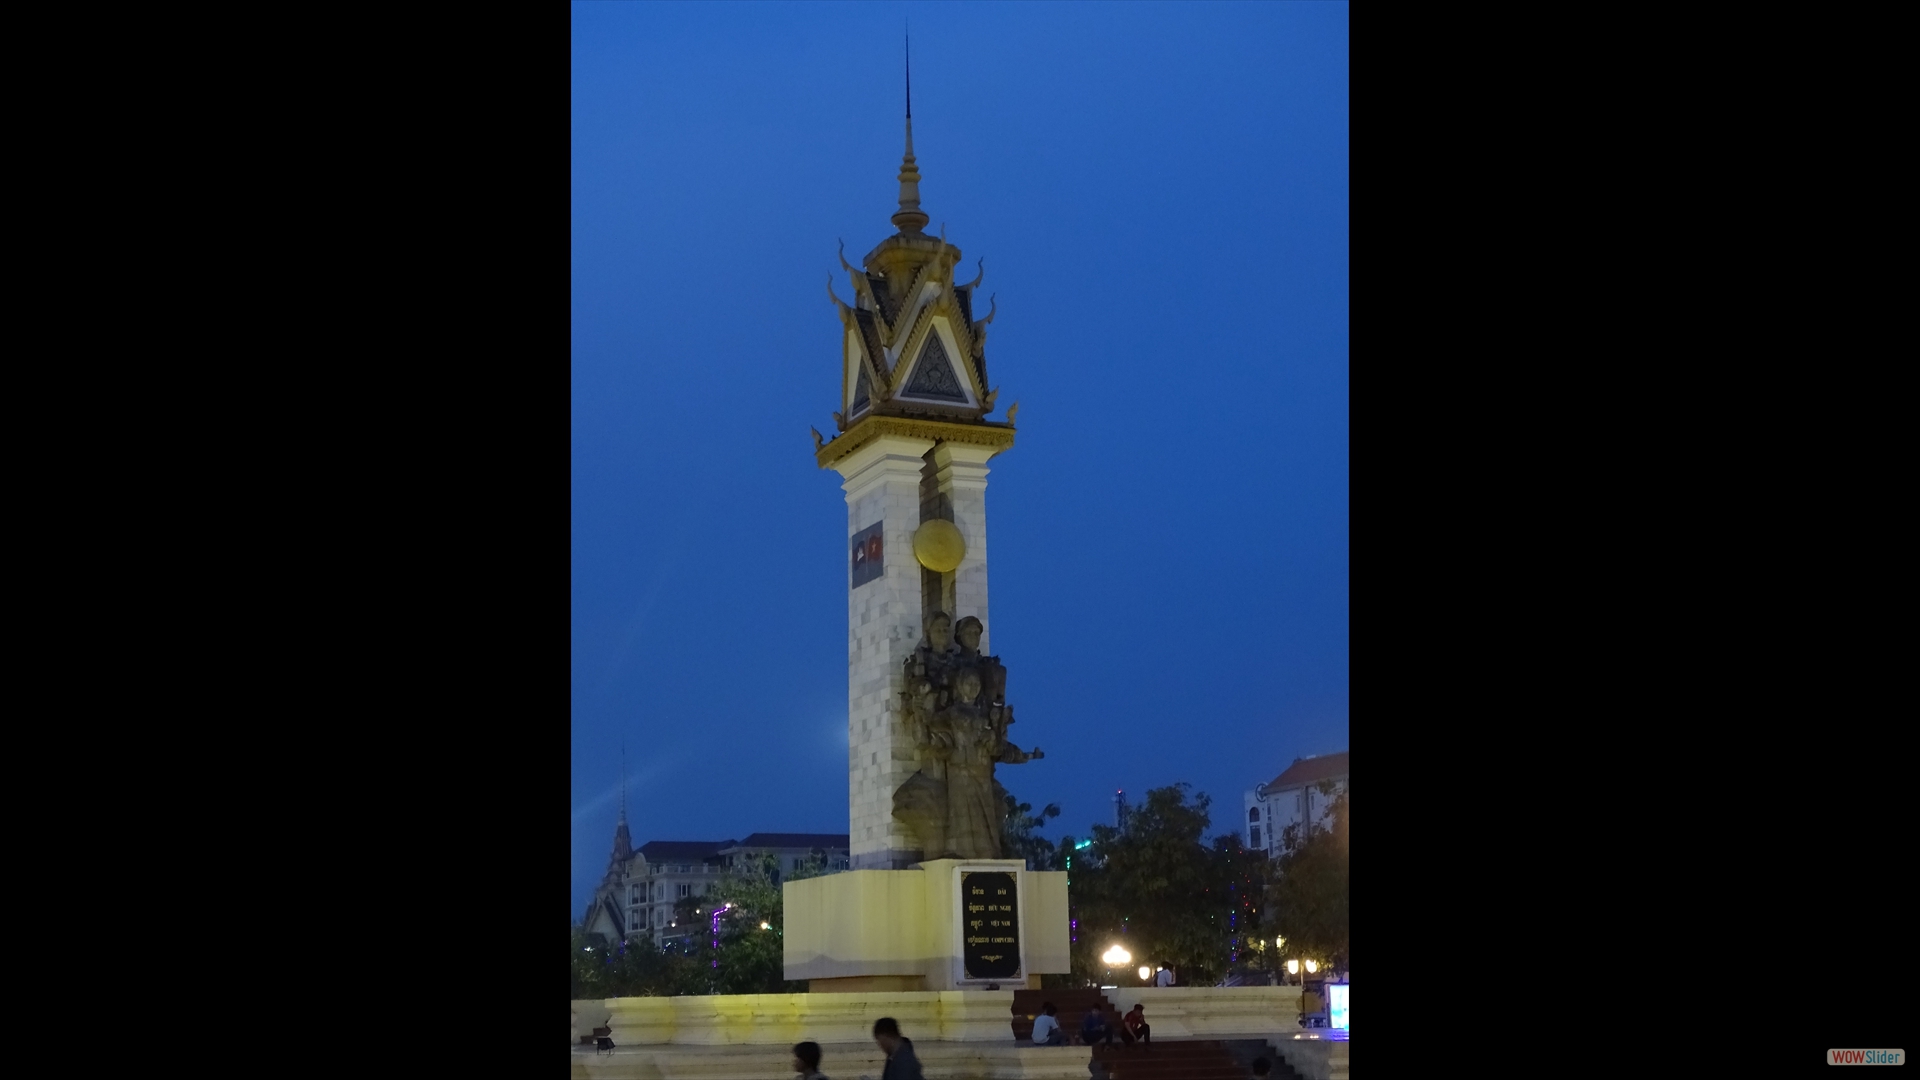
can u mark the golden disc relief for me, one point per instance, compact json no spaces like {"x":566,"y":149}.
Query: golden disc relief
{"x":939,"y":546}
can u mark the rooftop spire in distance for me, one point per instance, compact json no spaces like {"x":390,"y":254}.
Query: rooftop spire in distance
{"x":909,"y":218}
{"x":622,"y":839}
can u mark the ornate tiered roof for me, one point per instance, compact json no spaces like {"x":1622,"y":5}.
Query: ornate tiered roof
{"x":912,"y":350}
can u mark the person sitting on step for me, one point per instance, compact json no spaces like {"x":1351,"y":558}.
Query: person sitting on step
{"x":1046,"y":1029}
{"x":1134,"y":1027}
{"x":1093,"y":1027}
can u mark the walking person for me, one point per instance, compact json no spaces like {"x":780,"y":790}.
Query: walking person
{"x":901,"y":1063}
{"x":806,"y":1061}
{"x":1046,"y":1029}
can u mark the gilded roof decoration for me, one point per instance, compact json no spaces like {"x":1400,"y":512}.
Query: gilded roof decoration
{"x":901,"y":289}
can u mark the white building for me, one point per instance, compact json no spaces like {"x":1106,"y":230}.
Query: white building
{"x":641,"y":886}
{"x":1293,"y":797}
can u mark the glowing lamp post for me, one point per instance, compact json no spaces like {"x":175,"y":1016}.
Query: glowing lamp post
{"x":1293,"y":968}
{"x":1116,"y":957}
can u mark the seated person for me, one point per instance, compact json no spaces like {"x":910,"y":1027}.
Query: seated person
{"x":1046,"y":1030}
{"x":1093,"y":1027}
{"x":1134,"y":1027}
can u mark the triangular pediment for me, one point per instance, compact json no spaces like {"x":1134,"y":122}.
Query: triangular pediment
{"x":934,"y":376}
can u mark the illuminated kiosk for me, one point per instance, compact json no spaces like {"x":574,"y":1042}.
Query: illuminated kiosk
{"x":912,"y":447}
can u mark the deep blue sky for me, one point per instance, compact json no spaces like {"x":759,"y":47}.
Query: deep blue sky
{"x":1160,"y":193}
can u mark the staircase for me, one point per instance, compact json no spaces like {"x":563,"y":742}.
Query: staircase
{"x":1072,"y":1006}
{"x":1184,"y":1059}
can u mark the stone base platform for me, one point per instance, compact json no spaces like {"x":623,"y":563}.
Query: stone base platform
{"x":840,"y":1060}
{"x":958,"y":1034}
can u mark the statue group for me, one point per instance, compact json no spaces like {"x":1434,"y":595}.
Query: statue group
{"x":955,"y":707}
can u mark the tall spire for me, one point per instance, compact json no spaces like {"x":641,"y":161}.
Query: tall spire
{"x":909,"y":218}
{"x":622,"y":839}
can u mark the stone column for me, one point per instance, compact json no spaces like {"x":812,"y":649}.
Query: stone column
{"x":961,"y":469}
{"x":882,"y":482}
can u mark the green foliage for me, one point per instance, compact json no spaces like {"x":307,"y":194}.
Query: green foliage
{"x":751,"y":951}
{"x":635,"y":968}
{"x":1157,"y":890}
{"x":1018,"y":839}
{"x":748,"y":961}
{"x":1308,"y":887}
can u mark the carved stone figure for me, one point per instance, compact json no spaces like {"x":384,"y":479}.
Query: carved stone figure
{"x":954,"y":706}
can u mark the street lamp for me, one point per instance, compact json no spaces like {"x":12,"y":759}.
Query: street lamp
{"x":1117,"y":957}
{"x":1312,"y":967}
{"x":1293,"y":967}
{"x":1145,"y":973}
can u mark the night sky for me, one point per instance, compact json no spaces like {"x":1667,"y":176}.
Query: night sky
{"x":1160,"y":194}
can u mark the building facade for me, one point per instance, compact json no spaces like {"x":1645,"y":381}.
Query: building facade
{"x":637,"y":896}
{"x":1292,"y":798}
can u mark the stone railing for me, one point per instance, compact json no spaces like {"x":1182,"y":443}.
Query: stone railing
{"x":588,"y":1015}
{"x":772,"y":1019}
{"x":1208,"y":1011}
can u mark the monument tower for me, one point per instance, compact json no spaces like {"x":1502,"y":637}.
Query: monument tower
{"x":932,"y":901}
{"x":912,"y":445}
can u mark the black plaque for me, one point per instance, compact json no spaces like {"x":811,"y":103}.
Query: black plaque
{"x":867,"y":554}
{"x":989,"y":925}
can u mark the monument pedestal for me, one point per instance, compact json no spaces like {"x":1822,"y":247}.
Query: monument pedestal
{"x":947,"y":924}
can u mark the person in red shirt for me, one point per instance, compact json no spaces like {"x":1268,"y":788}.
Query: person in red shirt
{"x":1134,"y":1025}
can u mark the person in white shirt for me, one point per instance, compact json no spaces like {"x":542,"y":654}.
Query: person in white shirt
{"x":1165,"y":978}
{"x":1046,"y":1030}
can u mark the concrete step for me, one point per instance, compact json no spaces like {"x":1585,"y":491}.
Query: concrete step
{"x":1071,"y":1008}
{"x":1194,"y":1059}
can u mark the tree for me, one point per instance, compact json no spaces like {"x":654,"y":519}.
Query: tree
{"x":1018,"y":839}
{"x":1241,"y":876}
{"x":750,"y":958}
{"x":1156,"y":890}
{"x":1308,"y":886}
{"x":632,"y":968}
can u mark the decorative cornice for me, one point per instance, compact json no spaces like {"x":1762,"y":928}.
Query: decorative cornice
{"x":870,"y":427}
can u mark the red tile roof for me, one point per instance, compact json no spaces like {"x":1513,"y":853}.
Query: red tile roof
{"x":1310,"y":770}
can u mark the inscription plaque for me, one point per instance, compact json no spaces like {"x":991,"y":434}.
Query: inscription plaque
{"x":989,"y":925}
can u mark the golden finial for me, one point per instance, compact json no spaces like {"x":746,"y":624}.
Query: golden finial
{"x":909,"y":218}
{"x":1013,"y":410}
{"x":818,"y":440}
